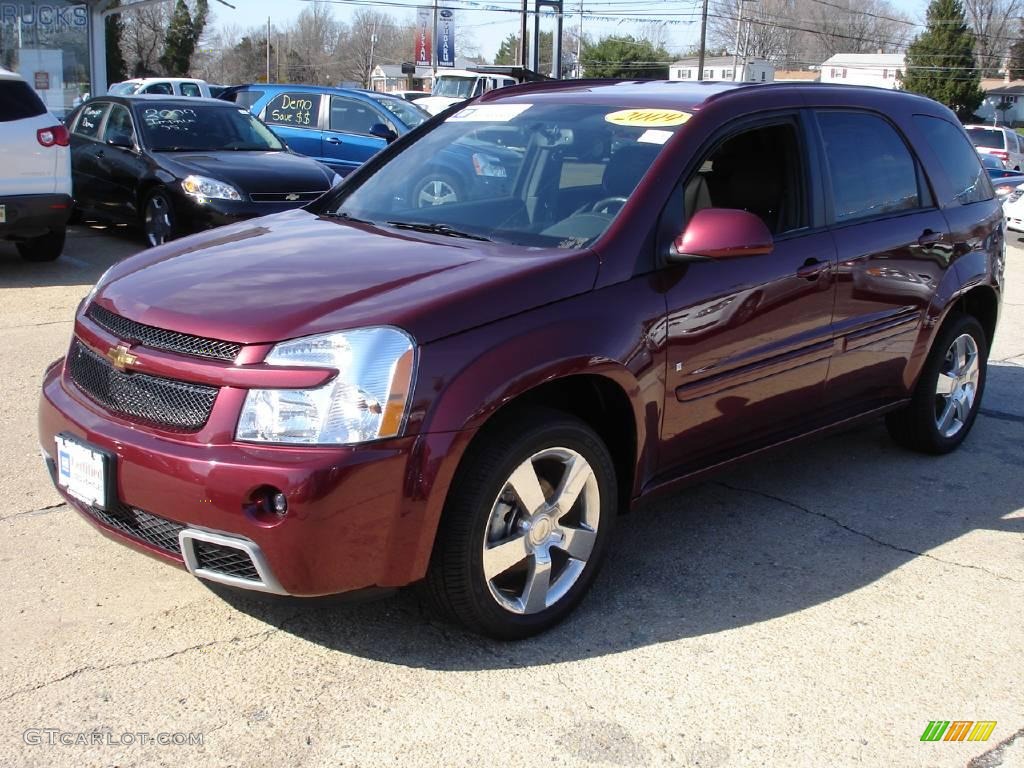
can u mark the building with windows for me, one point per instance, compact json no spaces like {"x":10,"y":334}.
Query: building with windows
{"x":881,"y":70}
{"x":722,"y":68}
{"x":1004,"y":102}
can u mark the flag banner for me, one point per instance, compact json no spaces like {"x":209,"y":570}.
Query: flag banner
{"x":446,"y":38}
{"x":421,"y":49}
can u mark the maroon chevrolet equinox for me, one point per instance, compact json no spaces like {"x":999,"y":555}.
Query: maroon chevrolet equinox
{"x":514,"y":323}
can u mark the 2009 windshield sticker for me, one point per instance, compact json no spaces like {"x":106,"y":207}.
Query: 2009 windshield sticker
{"x":489,"y":113}
{"x":648,"y":118}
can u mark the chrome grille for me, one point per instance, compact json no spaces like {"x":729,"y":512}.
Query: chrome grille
{"x":226,"y":560}
{"x":163,"y":402}
{"x":131,"y":521}
{"x":158,"y":338}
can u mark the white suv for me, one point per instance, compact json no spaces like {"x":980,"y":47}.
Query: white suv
{"x":166,"y":86}
{"x":35,"y":172}
{"x":1003,"y":143}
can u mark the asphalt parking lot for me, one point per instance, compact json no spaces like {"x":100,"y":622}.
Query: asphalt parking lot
{"x":817,"y":607}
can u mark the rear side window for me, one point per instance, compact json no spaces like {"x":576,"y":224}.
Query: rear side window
{"x":164,"y":89}
{"x":873,"y":172}
{"x":89,"y":120}
{"x":987,"y":138}
{"x":957,"y":158}
{"x":244,"y":99}
{"x":18,"y":101}
{"x":300,"y":110}
{"x":190,"y":89}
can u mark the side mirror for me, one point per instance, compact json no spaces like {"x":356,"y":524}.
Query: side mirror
{"x":381,"y":131}
{"x":119,"y":139}
{"x":722,"y":233}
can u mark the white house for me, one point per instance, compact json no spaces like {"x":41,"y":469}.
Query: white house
{"x":721,"y":68}
{"x":1003,"y":104}
{"x":880,"y":70}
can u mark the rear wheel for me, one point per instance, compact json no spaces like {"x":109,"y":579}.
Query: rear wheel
{"x":158,"y":220}
{"x":948,"y":394}
{"x":47,"y":247}
{"x":525,"y":527}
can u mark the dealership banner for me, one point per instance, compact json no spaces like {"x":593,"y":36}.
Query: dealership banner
{"x":421,"y":49}
{"x":446,"y":38}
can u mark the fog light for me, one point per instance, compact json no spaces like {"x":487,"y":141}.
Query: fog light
{"x":280,"y":503}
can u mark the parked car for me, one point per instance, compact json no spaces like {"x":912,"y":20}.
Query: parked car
{"x":409,"y":95}
{"x":1003,"y":143}
{"x":35,"y":172}
{"x":162,"y":86}
{"x":340,"y":127}
{"x":366,"y":393}
{"x":458,"y":85}
{"x":174,"y":165}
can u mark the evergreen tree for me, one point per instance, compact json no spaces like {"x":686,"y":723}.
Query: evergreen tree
{"x":940,"y":62}
{"x":624,"y":57}
{"x":116,"y":68}
{"x":182,"y":37}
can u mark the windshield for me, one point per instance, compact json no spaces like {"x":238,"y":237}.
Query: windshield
{"x":989,"y":138}
{"x":548,"y":175}
{"x":126,"y":88}
{"x":454,"y":87}
{"x":403,"y":110}
{"x":170,"y":127}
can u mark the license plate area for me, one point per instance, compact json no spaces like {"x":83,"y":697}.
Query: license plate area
{"x":85,"y":471}
{"x":3,"y":214}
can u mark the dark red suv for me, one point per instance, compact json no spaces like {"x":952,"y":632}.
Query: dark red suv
{"x":626,"y":285}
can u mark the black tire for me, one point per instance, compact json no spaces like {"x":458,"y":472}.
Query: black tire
{"x":47,"y":247}
{"x":916,"y":426}
{"x":438,"y":185}
{"x":456,"y":585}
{"x":159,"y":222}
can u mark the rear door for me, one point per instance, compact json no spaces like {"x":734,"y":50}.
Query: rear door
{"x":348,"y":142}
{"x":26,"y":166}
{"x":85,"y":147}
{"x":295,"y":117}
{"x":893,"y":249}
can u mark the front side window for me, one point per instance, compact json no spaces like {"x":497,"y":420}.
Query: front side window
{"x":406,"y":112}
{"x":162,"y":89}
{"x":298,"y":110}
{"x":547,"y":175}
{"x":190,"y":89}
{"x":169,"y":127}
{"x":958,"y":159}
{"x":872,"y":171}
{"x":119,"y":124}
{"x":89,"y":119}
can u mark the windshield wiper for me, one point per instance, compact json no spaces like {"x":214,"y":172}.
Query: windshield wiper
{"x":437,"y":229}
{"x":346,"y":217}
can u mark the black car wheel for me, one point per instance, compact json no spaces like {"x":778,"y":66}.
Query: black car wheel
{"x":158,"y":221}
{"x":47,"y":247}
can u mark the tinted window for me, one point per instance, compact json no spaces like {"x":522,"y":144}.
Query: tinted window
{"x":169,"y":127}
{"x":119,"y":123}
{"x":989,"y":138}
{"x":873,"y":172}
{"x":351,"y":116}
{"x":126,"y":88}
{"x":18,"y":101}
{"x":957,"y":158}
{"x":403,"y":110}
{"x":190,"y":89}
{"x":244,"y":99}
{"x":89,"y":120}
{"x":300,"y":110}
{"x":164,"y":89}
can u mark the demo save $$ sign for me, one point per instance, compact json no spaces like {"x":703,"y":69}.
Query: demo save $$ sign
{"x":294,"y":110}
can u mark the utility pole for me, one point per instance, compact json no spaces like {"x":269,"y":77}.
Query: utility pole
{"x":522,"y":33}
{"x":736,"y":47}
{"x":268,"y":49}
{"x":703,"y":39}
{"x":579,"y":46}
{"x":433,"y":48}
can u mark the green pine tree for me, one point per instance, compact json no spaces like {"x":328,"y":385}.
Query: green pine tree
{"x":940,"y":62}
{"x":624,"y":57}
{"x":116,"y":67}
{"x":182,"y":37}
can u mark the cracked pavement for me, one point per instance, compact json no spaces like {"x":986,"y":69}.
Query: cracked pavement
{"x":816,"y":606}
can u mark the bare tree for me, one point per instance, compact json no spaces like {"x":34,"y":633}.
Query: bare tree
{"x":994,"y":23}
{"x":142,"y":37}
{"x":315,"y":39}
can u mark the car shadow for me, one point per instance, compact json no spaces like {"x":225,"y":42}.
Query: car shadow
{"x":780,"y":534}
{"x":90,"y":248}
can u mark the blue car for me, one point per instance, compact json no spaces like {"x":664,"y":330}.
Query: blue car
{"x":340,"y":127}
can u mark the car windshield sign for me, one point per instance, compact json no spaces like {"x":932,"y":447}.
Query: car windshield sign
{"x":172,"y":127}
{"x":545,"y":175}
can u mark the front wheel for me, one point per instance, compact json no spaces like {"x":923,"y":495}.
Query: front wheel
{"x":948,"y":394}
{"x":437,"y":189}
{"x":158,"y":220}
{"x":525,"y":527}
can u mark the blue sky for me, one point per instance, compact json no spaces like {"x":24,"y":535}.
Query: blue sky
{"x":487,"y":26}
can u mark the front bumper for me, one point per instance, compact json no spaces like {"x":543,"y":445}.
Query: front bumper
{"x":195,"y":217}
{"x":358,"y":517}
{"x":30,"y":216}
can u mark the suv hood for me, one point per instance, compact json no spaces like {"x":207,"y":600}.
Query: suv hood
{"x":295,"y":274}
{"x":250,"y":172}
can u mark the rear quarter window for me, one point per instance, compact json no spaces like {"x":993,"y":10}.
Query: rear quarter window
{"x":89,"y":119}
{"x":18,"y":101}
{"x":958,"y":159}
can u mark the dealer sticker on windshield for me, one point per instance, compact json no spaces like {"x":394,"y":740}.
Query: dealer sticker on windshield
{"x":489,"y":113}
{"x":648,"y":118}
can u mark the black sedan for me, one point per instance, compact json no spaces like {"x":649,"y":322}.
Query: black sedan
{"x":178,"y":165}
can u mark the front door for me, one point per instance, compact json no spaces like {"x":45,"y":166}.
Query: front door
{"x":348,"y":142}
{"x":749,"y":338}
{"x":119,"y":169}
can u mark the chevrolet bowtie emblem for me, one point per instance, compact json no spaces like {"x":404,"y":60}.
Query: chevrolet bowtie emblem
{"x":121,"y":357}
{"x":291,"y":196}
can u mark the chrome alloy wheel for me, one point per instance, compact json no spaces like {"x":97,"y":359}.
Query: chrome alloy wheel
{"x":541,"y":530}
{"x":436,"y":192}
{"x":157,"y":223}
{"x":957,"y":386}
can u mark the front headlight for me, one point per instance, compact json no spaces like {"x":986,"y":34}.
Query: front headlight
{"x":367,"y":400}
{"x":203,"y":188}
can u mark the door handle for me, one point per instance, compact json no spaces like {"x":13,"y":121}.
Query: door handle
{"x":929,"y":237}
{"x":333,"y":140}
{"x":812,"y":269}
